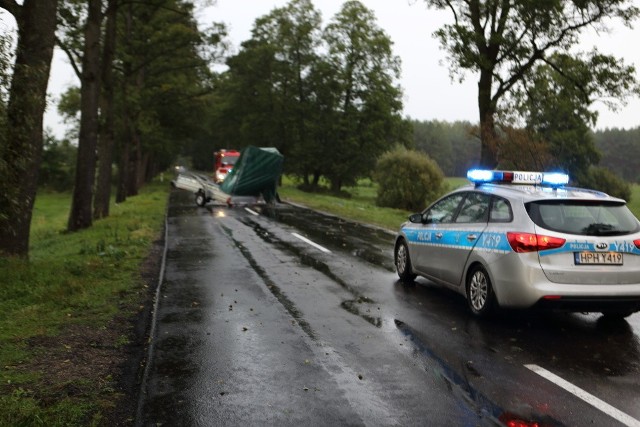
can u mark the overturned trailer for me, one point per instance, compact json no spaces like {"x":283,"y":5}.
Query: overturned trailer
{"x":253,"y":179}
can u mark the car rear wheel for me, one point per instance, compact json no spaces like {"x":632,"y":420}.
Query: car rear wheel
{"x":403,"y":262}
{"x":201,"y":200}
{"x":480,"y":295}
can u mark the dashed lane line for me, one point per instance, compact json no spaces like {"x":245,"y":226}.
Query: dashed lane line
{"x":314,"y":244}
{"x":587,"y":397}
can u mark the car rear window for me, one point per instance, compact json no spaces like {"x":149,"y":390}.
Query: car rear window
{"x":585,"y":218}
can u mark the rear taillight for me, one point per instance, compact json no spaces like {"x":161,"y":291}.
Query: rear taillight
{"x":528,"y":242}
{"x":637,"y":243}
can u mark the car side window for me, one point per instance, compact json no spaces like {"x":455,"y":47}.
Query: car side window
{"x":475,"y":208}
{"x":500,"y":211}
{"x":444,"y":210}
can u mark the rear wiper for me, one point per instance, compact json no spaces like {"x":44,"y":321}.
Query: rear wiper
{"x":599,"y":229}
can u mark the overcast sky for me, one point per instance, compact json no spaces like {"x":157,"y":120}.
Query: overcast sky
{"x":429,"y":93}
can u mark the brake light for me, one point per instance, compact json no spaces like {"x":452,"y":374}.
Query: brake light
{"x":529,"y":242}
{"x":637,"y":243}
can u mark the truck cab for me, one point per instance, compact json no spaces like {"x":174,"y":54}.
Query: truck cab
{"x":223,"y":163}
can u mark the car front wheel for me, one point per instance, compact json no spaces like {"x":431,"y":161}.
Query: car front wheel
{"x":403,"y":262}
{"x":480,"y":295}
{"x":201,"y":200}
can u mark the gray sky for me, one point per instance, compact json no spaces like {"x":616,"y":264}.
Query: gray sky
{"x":429,"y":93}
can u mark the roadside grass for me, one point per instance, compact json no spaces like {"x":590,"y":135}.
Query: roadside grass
{"x":76,"y":282}
{"x":359,"y":203}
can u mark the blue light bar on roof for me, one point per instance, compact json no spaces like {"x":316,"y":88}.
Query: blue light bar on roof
{"x":555,"y":179}
{"x":481,"y":176}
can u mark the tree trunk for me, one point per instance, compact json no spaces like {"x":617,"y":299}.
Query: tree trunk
{"x":81,"y":215}
{"x":106,"y":139}
{"x":134,"y":164}
{"x":123,"y":168}
{"x":488,"y":140}
{"x":21,"y":150}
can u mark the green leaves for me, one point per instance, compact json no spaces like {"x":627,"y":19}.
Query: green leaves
{"x":504,"y":40}
{"x":327,"y":99}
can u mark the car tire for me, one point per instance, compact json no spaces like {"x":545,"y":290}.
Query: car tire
{"x":201,"y":199}
{"x":403,"y":262}
{"x":480,"y":295}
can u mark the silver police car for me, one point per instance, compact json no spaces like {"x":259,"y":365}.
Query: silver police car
{"x":525,"y":239}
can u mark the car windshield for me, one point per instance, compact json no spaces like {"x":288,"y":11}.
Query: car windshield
{"x":583,"y":217}
{"x":230,"y":160}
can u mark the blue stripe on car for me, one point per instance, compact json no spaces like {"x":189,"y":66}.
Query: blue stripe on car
{"x":498,"y":242}
{"x":486,"y":241}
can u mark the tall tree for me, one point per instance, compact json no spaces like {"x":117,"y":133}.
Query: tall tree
{"x":21,"y":149}
{"x":164,"y":88}
{"x":268,"y":85}
{"x":365,"y":70}
{"x":502,"y":40}
{"x":81,"y":213}
{"x":106,"y":135}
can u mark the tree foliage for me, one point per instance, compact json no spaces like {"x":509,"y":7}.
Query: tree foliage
{"x":602,"y":179}
{"x":327,"y":98}
{"x":502,"y":41}
{"x":454,"y":146}
{"x":57,"y":169}
{"x":620,"y":150}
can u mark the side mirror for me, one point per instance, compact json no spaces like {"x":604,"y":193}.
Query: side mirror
{"x":416,"y":218}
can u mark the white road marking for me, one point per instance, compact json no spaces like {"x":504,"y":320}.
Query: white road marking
{"x":589,"y":398}
{"x":314,"y":244}
{"x":251,"y":212}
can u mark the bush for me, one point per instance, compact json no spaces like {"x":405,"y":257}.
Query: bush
{"x":602,"y":179}
{"x":407,"y":179}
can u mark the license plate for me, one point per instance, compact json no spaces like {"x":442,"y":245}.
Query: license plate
{"x":598,"y":258}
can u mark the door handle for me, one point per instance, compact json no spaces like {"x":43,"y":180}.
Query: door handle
{"x":471,"y":237}
{"x":438,"y":235}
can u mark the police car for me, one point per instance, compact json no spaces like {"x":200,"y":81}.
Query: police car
{"x":525,"y":239}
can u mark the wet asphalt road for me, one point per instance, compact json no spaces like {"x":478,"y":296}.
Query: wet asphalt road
{"x":256,"y":326}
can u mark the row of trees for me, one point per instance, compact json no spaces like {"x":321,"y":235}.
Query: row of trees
{"x":145,"y":83}
{"x":455,"y":148}
{"x":326,"y":96}
{"x":620,"y":152}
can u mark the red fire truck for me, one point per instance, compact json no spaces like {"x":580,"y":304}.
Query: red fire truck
{"x":223,"y":163}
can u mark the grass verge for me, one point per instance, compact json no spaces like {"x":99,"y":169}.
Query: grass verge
{"x":67,"y":315}
{"x":358,"y":203}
